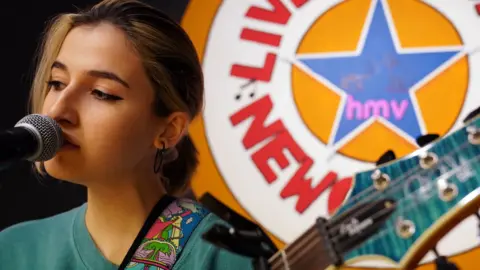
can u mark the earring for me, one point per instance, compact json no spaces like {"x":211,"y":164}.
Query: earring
{"x":157,"y":164}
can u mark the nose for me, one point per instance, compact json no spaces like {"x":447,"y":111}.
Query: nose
{"x":62,"y":107}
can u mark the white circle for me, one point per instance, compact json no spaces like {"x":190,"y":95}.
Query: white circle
{"x":224,"y":48}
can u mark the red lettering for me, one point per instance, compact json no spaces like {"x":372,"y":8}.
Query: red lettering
{"x":256,"y":73}
{"x":278,"y":14}
{"x":302,"y":187}
{"x":477,"y":8}
{"x":275,"y":149}
{"x":257,"y":132}
{"x":282,"y":140}
{"x":299,"y":3}
{"x":338,"y":193}
{"x":261,"y":37}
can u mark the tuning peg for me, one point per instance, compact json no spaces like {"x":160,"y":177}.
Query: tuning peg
{"x":442,"y":263}
{"x":386,"y":157}
{"x":471,"y":115}
{"x":426,"y":139}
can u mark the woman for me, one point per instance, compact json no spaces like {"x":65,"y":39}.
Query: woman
{"x":124,"y":82}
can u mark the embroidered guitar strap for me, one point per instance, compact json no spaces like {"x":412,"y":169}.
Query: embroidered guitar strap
{"x":166,"y":238}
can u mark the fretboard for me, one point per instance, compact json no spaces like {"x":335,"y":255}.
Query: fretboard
{"x":306,"y":253}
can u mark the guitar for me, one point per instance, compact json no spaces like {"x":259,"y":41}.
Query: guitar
{"x":324,"y":244}
{"x":397,"y":211}
{"x":435,"y":188}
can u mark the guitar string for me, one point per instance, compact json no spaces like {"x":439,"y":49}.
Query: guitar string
{"x":317,"y":255}
{"x":290,"y":247}
{"x":409,"y":173}
{"x":306,"y":237}
{"x":413,"y":178}
{"x":456,"y":150}
{"x":411,"y":196}
{"x":295,"y":256}
{"x":386,"y":230}
{"x":446,"y":175}
{"x":291,"y":250}
{"x":397,"y":183}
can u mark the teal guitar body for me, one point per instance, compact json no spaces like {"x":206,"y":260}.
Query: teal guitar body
{"x":434,"y":188}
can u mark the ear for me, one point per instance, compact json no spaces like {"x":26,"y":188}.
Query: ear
{"x":175,"y":126}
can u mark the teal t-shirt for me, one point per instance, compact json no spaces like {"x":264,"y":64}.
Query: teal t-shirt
{"x":63,"y":242}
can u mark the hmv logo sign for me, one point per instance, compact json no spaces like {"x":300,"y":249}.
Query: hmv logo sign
{"x":388,"y":109}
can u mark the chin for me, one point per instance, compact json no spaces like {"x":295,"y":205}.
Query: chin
{"x":62,"y":170}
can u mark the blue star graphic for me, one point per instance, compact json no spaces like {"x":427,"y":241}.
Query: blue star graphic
{"x":377,"y":82}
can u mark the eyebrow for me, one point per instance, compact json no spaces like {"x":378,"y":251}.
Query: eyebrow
{"x":95,"y":73}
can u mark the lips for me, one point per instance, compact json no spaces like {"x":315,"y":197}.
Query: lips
{"x":69,"y":142}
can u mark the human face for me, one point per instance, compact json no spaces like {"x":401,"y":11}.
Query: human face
{"x":102,"y":99}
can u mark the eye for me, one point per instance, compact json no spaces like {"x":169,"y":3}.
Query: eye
{"x":104,"y":96}
{"x":55,"y":85}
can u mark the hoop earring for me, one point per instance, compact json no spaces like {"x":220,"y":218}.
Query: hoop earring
{"x":157,"y":165}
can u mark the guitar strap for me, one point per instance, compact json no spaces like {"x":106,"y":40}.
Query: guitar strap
{"x":164,"y":235}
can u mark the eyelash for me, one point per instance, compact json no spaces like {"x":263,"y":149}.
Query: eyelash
{"x":56,"y":85}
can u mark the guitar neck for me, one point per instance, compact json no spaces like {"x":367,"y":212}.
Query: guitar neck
{"x":322,"y":245}
{"x":326,"y":241}
{"x":308,"y":252}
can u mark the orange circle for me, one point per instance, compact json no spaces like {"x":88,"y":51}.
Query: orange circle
{"x":417,"y":25}
{"x":197,"y":21}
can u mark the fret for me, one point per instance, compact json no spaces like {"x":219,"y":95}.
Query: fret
{"x":290,"y":246}
{"x":322,"y":245}
{"x":307,"y":252}
{"x":304,"y":236}
{"x":280,"y":262}
{"x":286,"y":265}
{"x":314,"y":258}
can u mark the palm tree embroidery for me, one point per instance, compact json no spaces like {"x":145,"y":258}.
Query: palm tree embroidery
{"x":157,"y":247}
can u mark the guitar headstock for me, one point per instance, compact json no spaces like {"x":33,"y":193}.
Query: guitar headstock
{"x":434,"y":188}
{"x":333,"y":238}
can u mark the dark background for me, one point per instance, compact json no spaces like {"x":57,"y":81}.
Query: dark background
{"x":22,"y":196}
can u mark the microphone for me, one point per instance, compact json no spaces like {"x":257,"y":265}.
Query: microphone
{"x":34,"y":138}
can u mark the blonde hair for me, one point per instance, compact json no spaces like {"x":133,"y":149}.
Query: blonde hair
{"x":169,"y":59}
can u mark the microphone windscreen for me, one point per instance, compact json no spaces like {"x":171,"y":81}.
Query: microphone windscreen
{"x":47,"y":132}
